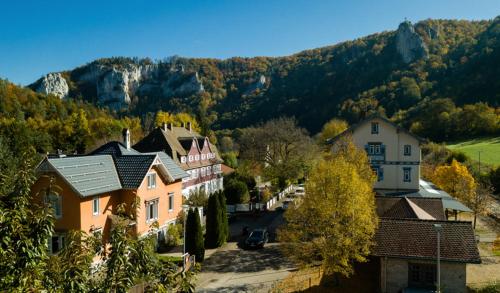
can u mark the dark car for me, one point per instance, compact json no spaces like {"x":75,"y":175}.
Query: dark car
{"x":257,"y":238}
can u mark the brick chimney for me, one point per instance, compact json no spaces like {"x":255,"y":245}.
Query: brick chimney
{"x":126,"y":138}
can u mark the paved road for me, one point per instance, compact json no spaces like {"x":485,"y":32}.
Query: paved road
{"x":233,"y":269}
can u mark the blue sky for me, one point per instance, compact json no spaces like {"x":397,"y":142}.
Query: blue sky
{"x":37,"y":37}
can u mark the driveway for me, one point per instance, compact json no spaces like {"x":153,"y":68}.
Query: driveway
{"x":233,"y":269}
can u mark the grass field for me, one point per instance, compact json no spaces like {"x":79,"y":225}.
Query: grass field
{"x":489,"y":148}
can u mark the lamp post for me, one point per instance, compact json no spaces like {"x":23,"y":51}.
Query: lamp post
{"x":438,"y":228}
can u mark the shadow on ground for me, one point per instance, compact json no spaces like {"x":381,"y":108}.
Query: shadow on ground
{"x":246,"y":261}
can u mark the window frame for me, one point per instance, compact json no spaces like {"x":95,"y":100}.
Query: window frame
{"x":407,"y":150}
{"x":183,"y":159}
{"x":151,"y":183}
{"x":55,"y":202}
{"x":196,"y":157}
{"x":154,"y":203}
{"x":375,"y":128}
{"x":94,"y":201}
{"x":203,"y":157}
{"x":171,"y":201}
{"x":406,"y":171}
{"x":60,"y":239}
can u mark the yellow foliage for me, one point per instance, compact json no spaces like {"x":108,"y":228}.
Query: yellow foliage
{"x":335,"y":222}
{"x":457,"y":181}
{"x":332,"y":128}
{"x":176,"y":119}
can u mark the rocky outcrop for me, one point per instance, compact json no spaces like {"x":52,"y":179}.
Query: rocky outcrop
{"x":409,"y":43}
{"x":182,"y":84}
{"x":53,"y":83}
{"x":259,"y":84}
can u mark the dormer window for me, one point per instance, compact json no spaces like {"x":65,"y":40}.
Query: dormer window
{"x":183,"y":159}
{"x":374,"y":127}
{"x":190,"y":158}
{"x":197,"y":157}
{"x":203,"y":157}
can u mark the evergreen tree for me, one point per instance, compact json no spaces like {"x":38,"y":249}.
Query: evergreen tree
{"x":224,"y":222}
{"x":194,"y":235}
{"x":214,"y":229}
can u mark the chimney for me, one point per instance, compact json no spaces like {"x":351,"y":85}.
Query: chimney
{"x":183,"y":125}
{"x":170,"y":126}
{"x":164,"y":126}
{"x":126,"y":138}
{"x":188,"y":126}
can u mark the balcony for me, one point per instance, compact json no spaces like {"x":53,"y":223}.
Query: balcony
{"x":375,"y":152}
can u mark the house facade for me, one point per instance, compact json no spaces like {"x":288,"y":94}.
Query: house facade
{"x":90,"y":188}
{"x":192,"y":152}
{"x":394,"y":153}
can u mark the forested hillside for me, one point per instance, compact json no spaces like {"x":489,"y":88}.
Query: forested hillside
{"x":48,"y":124}
{"x":420,"y":75}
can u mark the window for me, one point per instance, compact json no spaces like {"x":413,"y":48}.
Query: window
{"x":56,"y":243}
{"x":203,"y":157}
{"x":209,"y":170}
{"x":203,"y":171}
{"x":183,"y":159}
{"x":151,"y":210}
{"x":407,"y":150}
{"x":190,"y":158}
{"x":197,"y":157}
{"x":379,"y":172}
{"x":152,"y":180}
{"x":98,"y":235}
{"x":170,"y":201}
{"x":407,"y":174}
{"x":374,"y":127}
{"x":55,"y":201}
{"x":422,"y":275}
{"x":374,"y":149}
{"x":95,"y":206}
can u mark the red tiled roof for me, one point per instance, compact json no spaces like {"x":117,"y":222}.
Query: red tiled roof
{"x":411,"y":238}
{"x":226,"y":170}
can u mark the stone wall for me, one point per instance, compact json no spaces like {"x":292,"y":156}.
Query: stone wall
{"x":394,"y":275}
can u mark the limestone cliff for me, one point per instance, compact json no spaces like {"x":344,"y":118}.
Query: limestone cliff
{"x":409,"y":43}
{"x":53,"y":83}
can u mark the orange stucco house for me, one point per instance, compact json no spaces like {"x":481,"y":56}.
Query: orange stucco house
{"x":92,"y":186}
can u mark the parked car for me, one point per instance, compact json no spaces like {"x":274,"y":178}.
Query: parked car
{"x":257,"y":238}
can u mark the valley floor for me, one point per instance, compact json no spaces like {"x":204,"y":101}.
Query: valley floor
{"x":489,"y":148}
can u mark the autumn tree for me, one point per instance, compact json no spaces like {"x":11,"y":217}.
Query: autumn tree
{"x":457,"y":181}
{"x":176,"y":119}
{"x":280,"y":147}
{"x":331,"y":129}
{"x":335,"y":222}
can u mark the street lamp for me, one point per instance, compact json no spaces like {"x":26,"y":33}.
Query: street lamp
{"x":438,"y":228}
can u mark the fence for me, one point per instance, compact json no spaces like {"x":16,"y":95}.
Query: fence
{"x":247,"y":207}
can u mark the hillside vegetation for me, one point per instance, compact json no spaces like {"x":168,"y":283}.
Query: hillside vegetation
{"x":459,"y":65}
{"x":489,"y":148}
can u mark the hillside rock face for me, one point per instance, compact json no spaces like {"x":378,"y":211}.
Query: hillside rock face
{"x":409,"y":43}
{"x":114,"y":85}
{"x":53,"y":83}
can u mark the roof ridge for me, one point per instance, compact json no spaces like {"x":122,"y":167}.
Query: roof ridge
{"x":424,"y":220}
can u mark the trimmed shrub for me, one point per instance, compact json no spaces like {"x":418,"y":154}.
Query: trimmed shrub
{"x":213,"y":226}
{"x":194,"y":235}
{"x":223,"y":217}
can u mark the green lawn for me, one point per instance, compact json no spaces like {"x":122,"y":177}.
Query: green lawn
{"x":489,"y":147}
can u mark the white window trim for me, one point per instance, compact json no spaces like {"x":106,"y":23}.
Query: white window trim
{"x":148,"y":204}
{"x":190,"y":158}
{"x":94,"y":212}
{"x":153,"y":185}
{"x":183,"y":159}
{"x":197,"y":157}
{"x":171,"y":195}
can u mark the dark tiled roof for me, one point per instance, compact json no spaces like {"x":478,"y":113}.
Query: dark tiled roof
{"x":114,"y":148}
{"x":133,"y":168}
{"x":417,"y":239}
{"x":432,"y":206}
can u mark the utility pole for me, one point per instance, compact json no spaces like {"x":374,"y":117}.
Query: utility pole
{"x":438,"y":227}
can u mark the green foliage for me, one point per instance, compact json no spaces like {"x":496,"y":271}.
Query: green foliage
{"x":25,"y":226}
{"x":230,"y":159}
{"x":225,"y":235}
{"x":214,"y":236}
{"x":457,"y":156}
{"x":236,"y":191}
{"x":194,"y":235}
{"x":174,"y":235}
